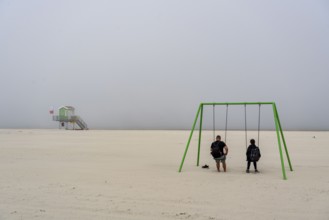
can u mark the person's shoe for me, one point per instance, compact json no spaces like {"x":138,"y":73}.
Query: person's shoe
{"x":247,"y":171}
{"x":205,"y":166}
{"x":256,"y":171}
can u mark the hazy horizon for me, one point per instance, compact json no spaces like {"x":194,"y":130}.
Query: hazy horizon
{"x":148,"y":64}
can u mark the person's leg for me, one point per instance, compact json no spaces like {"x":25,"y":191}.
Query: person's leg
{"x":255,"y":166}
{"x":218,"y":165}
{"x":248,"y":166}
{"x":224,"y":165}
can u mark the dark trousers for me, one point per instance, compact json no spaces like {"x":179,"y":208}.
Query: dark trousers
{"x":255,"y":164}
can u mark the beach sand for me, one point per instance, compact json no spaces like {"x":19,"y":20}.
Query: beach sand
{"x":58,"y":174}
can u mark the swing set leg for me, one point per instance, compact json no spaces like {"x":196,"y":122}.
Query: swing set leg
{"x":283,"y":139}
{"x":200,"y":131}
{"x":279,"y":142}
{"x":189,"y":139}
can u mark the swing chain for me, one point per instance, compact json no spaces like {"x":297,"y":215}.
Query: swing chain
{"x":226,"y":122}
{"x":245,"y":124}
{"x":258,"y":123}
{"x":213,"y":123}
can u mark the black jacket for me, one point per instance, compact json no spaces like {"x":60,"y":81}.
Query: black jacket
{"x":249,"y":151}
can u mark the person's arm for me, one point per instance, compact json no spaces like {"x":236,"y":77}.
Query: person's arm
{"x":226,"y":150}
{"x":248,"y":152}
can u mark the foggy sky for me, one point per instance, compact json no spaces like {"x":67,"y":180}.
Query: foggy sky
{"x":148,"y":64}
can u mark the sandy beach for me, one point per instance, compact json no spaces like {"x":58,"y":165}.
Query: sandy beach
{"x":58,"y":174}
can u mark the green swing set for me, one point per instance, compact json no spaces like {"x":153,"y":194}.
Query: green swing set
{"x":277,"y":122}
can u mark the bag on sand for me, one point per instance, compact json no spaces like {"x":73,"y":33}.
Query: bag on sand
{"x":254,"y":154}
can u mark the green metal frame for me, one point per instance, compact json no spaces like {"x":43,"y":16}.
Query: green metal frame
{"x":278,"y":129}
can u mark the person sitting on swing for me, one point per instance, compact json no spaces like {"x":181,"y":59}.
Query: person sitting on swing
{"x":219,"y":151}
{"x":253,"y":155}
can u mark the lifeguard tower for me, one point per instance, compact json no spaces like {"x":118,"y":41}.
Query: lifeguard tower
{"x":68,"y":120}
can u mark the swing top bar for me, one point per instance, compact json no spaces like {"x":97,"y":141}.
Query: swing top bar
{"x":237,"y":103}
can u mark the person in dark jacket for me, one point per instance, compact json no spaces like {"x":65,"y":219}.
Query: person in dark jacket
{"x":253,"y":155}
{"x":219,"y":151}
